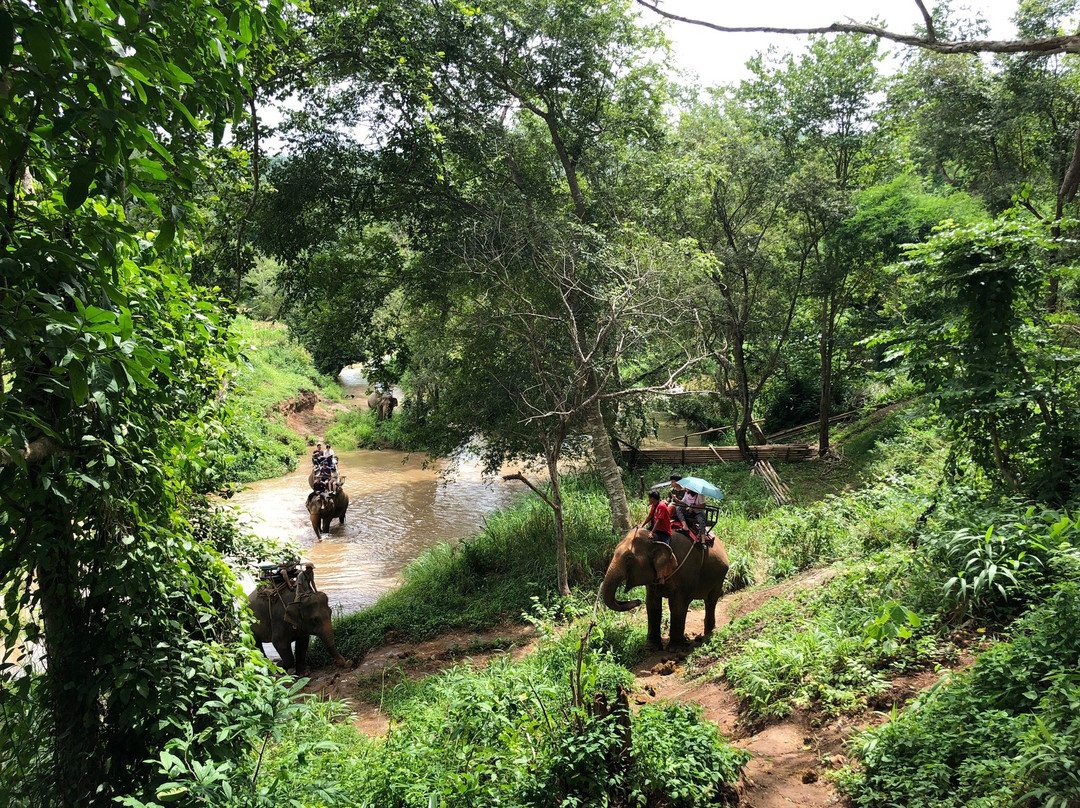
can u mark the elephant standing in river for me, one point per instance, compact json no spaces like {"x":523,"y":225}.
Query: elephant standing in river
{"x":285,"y":615}
{"x":690,"y":571}
{"x":324,"y":507}
{"x":382,"y":404}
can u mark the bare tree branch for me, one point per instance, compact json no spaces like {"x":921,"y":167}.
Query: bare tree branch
{"x":1069,"y":43}
{"x":539,"y":493}
{"x":930,"y":34}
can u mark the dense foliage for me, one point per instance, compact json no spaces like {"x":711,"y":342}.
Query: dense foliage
{"x":110,"y":418}
{"x":515,"y":212}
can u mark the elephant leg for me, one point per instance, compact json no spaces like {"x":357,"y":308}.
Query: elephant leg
{"x":654,"y":610}
{"x":678,"y":604}
{"x":315,"y":525}
{"x":710,"y":612}
{"x":302,"y":643}
{"x":326,"y":634}
{"x":284,"y":649}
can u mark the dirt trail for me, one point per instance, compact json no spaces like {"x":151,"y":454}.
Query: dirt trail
{"x":790,"y":756}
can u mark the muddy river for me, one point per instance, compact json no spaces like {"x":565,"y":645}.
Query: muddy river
{"x":398,"y":507}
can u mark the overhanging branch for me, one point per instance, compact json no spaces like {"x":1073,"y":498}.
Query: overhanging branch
{"x":1069,"y":43}
{"x":539,"y":493}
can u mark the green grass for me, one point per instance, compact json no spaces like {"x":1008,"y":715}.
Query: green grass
{"x":359,"y":429}
{"x":817,"y":649}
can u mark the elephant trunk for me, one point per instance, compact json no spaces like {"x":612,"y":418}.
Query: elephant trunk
{"x":613,"y":579}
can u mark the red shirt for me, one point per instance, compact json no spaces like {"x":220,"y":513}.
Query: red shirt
{"x":661,"y":517}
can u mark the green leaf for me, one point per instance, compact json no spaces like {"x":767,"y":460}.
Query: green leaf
{"x":38,"y":43}
{"x":80,"y":390}
{"x":79,"y":186}
{"x":165,"y":235}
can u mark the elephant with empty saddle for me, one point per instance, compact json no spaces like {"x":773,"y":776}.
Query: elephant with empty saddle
{"x":689,"y":570}
{"x":289,"y":611}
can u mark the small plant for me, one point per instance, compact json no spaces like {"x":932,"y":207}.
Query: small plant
{"x":894,"y":624}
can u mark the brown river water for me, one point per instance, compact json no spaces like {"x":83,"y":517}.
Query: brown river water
{"x":397,"y":509}
{"x":399,"y":506}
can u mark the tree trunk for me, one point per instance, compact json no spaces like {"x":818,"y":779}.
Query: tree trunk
{"x":743,"y":397}
{"x":73,"y":700}
{"x":560,"y":525}
{"x":609,"y":470}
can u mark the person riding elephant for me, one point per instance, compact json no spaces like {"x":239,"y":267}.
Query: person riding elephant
{"x":690,"y":570}
{"x":382,"y":404}
{"x":287,"y":614}
{"x":325,"y":506}
{"x":320,"y":474}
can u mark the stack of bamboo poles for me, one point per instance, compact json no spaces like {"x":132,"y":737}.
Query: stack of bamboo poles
{"x":765,"y":469}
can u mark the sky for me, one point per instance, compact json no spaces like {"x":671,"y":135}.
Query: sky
{"x":720,"y":58}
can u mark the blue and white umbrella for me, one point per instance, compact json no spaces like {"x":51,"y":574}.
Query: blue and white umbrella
{"x":700,"y":486}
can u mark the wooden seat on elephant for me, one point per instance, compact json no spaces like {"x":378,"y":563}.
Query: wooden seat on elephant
{"x":298,"y":575}
{"x":706,"y":538}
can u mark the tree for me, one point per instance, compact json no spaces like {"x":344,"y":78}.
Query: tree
{"x":1002,"y":371}
{"x":538,"y":101}
{"x":732,"y":201}
{"x":515,"y":378}
{"x":112,"y":365}
{"x":1037,"y":38}
{"x":821,"y":107}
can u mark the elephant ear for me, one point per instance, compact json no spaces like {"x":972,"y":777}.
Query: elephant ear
{"x":292,"y":614}
{"x":663,"y":560}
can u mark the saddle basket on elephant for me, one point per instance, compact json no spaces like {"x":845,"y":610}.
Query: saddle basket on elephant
{"x":712,"y":515}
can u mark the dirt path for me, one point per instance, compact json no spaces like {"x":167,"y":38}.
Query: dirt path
{"x":790,"y":756}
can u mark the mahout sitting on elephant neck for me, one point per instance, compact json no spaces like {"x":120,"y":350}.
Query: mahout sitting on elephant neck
{"x":289,"y":610}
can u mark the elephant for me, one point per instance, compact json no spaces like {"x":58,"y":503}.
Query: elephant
{"x":284,"y":615}
{"x":324,"y":507}
{"x":382,"y":404}
{"x":690,"y":571}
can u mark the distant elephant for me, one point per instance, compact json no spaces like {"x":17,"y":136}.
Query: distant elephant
{"x":324,"y":507}
{"x":700,"y":573}
{"x":382,"y":404}
{"x":284,"y":615}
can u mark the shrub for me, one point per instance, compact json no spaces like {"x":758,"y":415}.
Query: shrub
{"x":1003,"y":733}
{"x":801,"y":538}
{"x":511,"y":734}
{"x":1003,"y":567}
